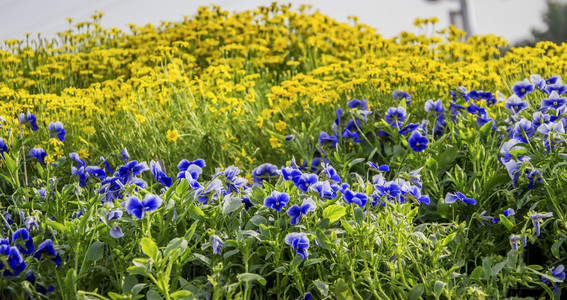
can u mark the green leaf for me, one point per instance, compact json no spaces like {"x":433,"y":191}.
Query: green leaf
{"x":195,"y":212}
{"x":485,"y":129}
{"x":506,"y":222}
{"x":250,"y":277}
{"x":449,"y":238}
{"x":138,"y":288}
{"x":358,"y":215}
{"x":230,"y":253}
{"x":314,"y":261}
{"x":176,"y":243}
{"x":189,"y":234}
{"x":231,"y":204}
{"x":57,"y":226}
{"x":323,"y":223}
{"x":356,"y":161}
{"x":341,"y":290}
{"x":153,"y":295}
{"x":71,"y":280}
{"x":149,"y":248}
{"x":10,"y":163}
{"x":519,"y":152}
{"x":438,"y":288}
{"x":322,"y":287}
{"x":182,"y":187}
{"x":347,"y":227}
{"x":95,"y":251}
{"x":555,"y":248}
{"x":476,"y":273}
{"x":181,"y":294}
{"x":416,"y":292}
{"x":334,"y":212}
{"x":257,"y":220}
{"x":497,"y":268}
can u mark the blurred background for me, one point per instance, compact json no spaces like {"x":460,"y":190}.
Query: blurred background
{"x":521,"y":22}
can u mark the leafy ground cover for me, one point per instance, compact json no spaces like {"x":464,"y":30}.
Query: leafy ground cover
{"x":229,"y":156}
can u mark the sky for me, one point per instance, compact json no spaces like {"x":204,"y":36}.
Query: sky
{"x":512,"y":19}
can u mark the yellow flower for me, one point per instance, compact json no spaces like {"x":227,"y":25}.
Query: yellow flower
{"x":172,"y":135}
{"x":84,"y":153}
{"x":275,"y":142}
{"x":281,"y":126}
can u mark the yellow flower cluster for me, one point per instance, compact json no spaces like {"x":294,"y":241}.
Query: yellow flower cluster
{"x":245,"y":73}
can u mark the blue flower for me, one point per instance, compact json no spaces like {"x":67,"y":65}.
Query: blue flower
{"x":515,"y":242}
{"x":418,"y":142}
{"x":298,"y":242}
{"x":515,"y":105}
{"x":74,"y":156}
{"x":29,"y":120}
{"x":304,"y":181}
{"x":388,"y":188}
{"x":290,"y":173}
{"x":56,"y":129}
{"x":106,"y":165}
{"x":217,"y":244}
{"x":46,"y":249}
{"x":408,"y":128}
{"x":331,"y":173}
{"x":521,"y":88}
{"x":557,"y":87}
{"x":363,"y":104}
{"x":38,"y":153}
{"x":184,"y":164}
{"x":213,"y":188}
{"x":522,"y":131}
{"x":481,"y":120}
{"x":96,"y":172}
{"x":553,"y":102}
{"x":399,"y":95}
{"x":159,"y":175}
{"x":539,"y":118}
{"x":16,"y":263}
{"x":25,"y":246}
{"x":395,"y":116}
{"x":82,"y":174}
{"x":3,"y":147}
{"x":296,"y":211}
{"x":382,"y":168}
{"x":233,"y":182}
{"x":358,"y":198}
{"x":277,"y":200}
{"x":512,"y":167}
{"x":452,"y":198}
{"x":1,"y":120}
{"x":316,"y":162}
{"x":326,"y":138}
{"x":138,"y":208}
{"x":326,"y":189}
{"x":114,"y":214}
{"x":434,"y":106}
{"x":264,"y":172}
{"x":306,"y":296}
{"x":31,"y":223}
{"x":558,"y":273}
{"x":537,"y":218}
{"x":337,"y":122}
{"x":475,"y":110}
{"x":124,"y":155}
{"x":132,"y":169}
{"x":116,"y":232}
{"x":507,"y":213}
{"x":480,"y":95}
